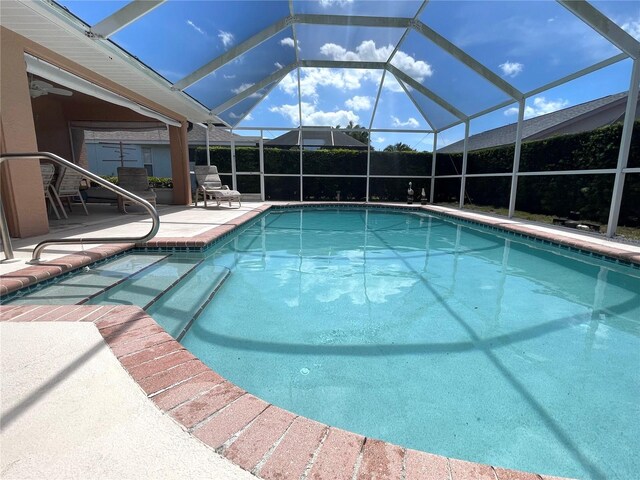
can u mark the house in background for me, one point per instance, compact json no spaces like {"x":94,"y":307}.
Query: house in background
{"x":106,"y":150}
{"x":579,"y":118}
{"x":318,"y":137}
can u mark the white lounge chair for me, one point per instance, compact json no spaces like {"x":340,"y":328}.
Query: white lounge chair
{"x":210,"y":185}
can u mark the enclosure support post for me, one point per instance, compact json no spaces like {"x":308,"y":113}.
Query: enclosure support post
{"x":262,"y":195}
{"x":516,"y":159}
{"x":208,"y":152}
{"x":366,"y":198}
{"x":433,"y":168}
{"x":623,"y":154}
{"x":234,"y":183}
{"x":463,"y":179}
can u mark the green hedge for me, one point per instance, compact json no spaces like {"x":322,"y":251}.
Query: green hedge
{"x":154,"y":182}
{"x":550,"y":194}
{"x":590,"y":195}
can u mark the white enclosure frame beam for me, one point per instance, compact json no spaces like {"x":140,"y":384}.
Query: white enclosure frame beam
{"x":465,"y":154}
{"x":623,"y":154}
{"x":232,"y":53}
{"x":207,"y":144}
{"x":261,"y":145}
{"x":516,"y":160}
{"x":467,"y":59}
{"x":375,"y":105}
{"x":234,"y":182}
{"x":400,"y":75}
{"x":433,"y":167}
{"x":343,"y":64}
{"x":352,"y":20}
{"x":274,"y":77}
{"x":123,"y":17}
{"x":416,"y":104}
{"x":604,"y":26}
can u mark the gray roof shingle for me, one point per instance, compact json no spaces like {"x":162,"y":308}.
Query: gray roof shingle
{"x":546,"y":125}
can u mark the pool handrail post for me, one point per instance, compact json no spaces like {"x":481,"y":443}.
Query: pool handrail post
{"x":37,"y":251}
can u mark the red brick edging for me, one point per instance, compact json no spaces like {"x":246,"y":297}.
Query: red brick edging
{"x":263,"y":439}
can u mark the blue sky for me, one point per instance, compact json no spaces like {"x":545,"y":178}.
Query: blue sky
{"x":529,"y":44}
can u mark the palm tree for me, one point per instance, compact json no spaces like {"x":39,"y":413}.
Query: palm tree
{"x":398,"y":147}
{"x":358,"y":135}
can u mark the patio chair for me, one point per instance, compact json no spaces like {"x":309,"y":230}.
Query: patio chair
{"x":68,"y":186}
{"x":210,"y":186}
{"x":48,"y":171}
{"x":136,"y":181}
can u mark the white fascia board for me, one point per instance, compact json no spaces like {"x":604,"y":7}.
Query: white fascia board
{"x":123,"y":17}
{"x":67,"y":79}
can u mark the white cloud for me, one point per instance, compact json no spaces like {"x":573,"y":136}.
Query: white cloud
{"x":411,"y":122}
{"x":511,"y":69}
{"x":312,"y":116}
{"x":351,"y":79}
{"x":288,"y":42}
{"x":632,"y":27}
{"x":195,"y":27}
{"x":379,"y":140}
{"x":278,"y":65}
{"x":368,"y":52}
{"x":229,"y":76}
{"x":249,"y":117}
{"x":541,"y":106}
{"x":358,"y":103}
{"x":330,"y":3}
{"x":225,"y":37}
{"x":241,"y":88}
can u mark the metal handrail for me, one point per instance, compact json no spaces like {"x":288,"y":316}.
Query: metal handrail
{"x":108,"y":185}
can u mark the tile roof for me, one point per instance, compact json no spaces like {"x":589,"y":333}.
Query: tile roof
{"x":329,"y":136}
{"x":542,"y":126}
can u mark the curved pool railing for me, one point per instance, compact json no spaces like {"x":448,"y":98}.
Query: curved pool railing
{"x":37,"y":251}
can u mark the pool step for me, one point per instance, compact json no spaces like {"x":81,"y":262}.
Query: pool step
{"x":143,"y":288}
{"x":176,"y":311}
{"x":90,"y":283}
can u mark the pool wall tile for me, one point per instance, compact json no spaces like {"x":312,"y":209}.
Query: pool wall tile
{"x":219,"y":428}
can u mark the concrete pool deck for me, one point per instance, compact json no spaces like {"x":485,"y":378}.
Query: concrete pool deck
{"x":184,"y":394}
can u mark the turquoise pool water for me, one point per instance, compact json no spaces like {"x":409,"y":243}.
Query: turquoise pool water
{"x":415,"y":329}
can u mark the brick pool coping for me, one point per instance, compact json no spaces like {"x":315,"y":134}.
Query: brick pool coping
{"x":261,"y":438}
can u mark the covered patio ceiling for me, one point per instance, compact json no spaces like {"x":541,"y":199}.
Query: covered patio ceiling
{"x":229,"y":56}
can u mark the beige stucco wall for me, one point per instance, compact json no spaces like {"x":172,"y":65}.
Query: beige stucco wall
{"x":21,"y":182}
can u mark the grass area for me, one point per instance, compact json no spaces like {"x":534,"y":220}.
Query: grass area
{"x":627,"y":233}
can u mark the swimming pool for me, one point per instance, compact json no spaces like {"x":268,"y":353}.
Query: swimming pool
{"x":422,"y":331}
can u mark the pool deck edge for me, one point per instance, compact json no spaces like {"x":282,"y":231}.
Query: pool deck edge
{"x":261,"y":438}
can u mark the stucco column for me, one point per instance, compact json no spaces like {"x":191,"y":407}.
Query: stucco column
{"x":179,"y":145}
{"x":22,"y":193}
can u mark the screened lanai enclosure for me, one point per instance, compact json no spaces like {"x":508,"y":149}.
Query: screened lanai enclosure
{"x":418,"y":73}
